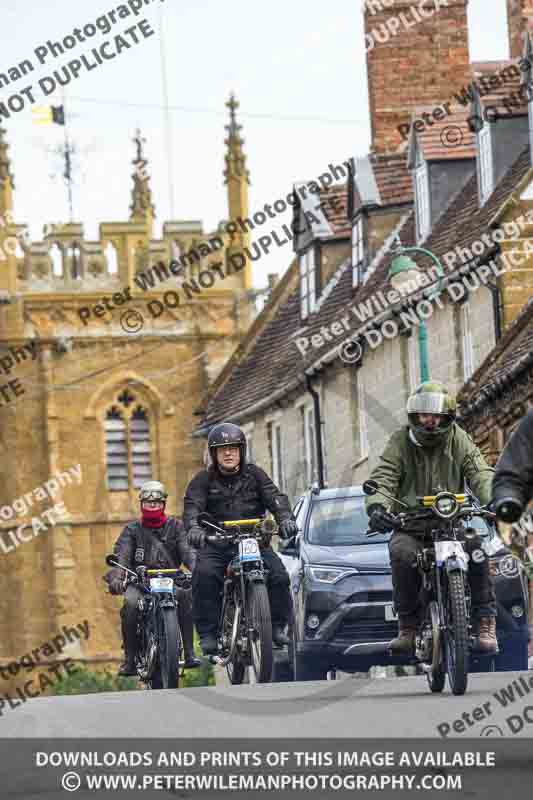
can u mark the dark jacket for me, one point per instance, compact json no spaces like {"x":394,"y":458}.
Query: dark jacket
{"x":514,"y":470}
{"x":247,"y":495}
{"x":408,"y":471}
{"x":139,"y":545}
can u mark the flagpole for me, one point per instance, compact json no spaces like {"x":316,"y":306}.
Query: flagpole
{"x":168,"y":128}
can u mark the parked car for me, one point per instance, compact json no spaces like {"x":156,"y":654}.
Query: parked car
{"x":341,"y":588}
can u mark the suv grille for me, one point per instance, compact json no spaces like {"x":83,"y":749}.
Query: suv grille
{"x":366,"y":630}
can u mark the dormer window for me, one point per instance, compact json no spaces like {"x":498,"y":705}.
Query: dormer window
{"x":308,"y":281}
{"x":358,"y":250}
{"x":423,"y":211}
{"x":485,"y":164}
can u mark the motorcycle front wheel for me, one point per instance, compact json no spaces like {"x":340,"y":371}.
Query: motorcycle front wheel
{"x":235,"y":668}
{"x":457,"y":650}
{"x":259,"y":626}
{"x":436,"y":676}
{"x":166,"y":671}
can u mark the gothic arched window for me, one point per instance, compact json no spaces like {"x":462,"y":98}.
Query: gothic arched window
{"x":128,"y":446}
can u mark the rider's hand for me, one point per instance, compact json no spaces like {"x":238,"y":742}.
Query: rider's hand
{"x":508,"y":509}
{"x":382,"y":520}
{"x":288,"y":528}
{"x":116,"y":584}
{"x":196,"y":537}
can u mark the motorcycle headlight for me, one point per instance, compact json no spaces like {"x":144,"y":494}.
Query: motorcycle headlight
{"x":328,"y":574}
{"x":446,"y":506}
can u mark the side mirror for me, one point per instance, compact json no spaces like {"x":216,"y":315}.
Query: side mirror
{"x":370,"y":487}
{"x":111,"y":560}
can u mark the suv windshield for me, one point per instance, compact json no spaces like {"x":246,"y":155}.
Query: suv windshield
{"x":340,"y":521}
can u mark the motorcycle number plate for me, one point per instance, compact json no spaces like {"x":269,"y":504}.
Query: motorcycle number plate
{"x":249,"y":550}
{"x":445,"y":550}
{"x":390,"y":614}
{"x":161,"y":585}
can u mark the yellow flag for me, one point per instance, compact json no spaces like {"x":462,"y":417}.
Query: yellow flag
{"x":42,"y":115}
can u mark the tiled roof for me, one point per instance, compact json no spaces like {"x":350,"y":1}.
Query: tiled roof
{"x":512,"y":355}
{"x":448,"y":138}
{"x":510,"y":88}
{"x":274,"y":365}
{"x":337,"y":212}
{"x":393,"y":178}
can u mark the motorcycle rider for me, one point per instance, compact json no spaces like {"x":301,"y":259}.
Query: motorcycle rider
{"x":512,"y":488}
{"x":431,"y":454}
{"x":230,"y":488}
{"x":155,"y":541}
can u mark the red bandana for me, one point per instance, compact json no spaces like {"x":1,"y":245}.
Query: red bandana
{"x":153,"y":518}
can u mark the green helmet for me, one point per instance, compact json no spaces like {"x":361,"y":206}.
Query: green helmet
{"x":431,"y":397}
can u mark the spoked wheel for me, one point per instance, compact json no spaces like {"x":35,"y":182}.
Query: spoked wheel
{"x":235,"y":669}
{"x":436,"y":676}
{"x":457,"y":652}
{"x":166,"y":670}
{"x":259,"y":626}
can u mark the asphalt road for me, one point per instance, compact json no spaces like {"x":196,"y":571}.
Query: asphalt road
{"x":393,"y":707}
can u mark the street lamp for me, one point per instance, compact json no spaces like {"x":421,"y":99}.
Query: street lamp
{"x":404,"y":270}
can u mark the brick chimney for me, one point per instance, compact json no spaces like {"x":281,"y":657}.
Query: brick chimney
{"x":417,"y":55}
{"x":519,"y":19}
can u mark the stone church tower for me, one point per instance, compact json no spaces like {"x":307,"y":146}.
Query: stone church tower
{"x":107,"y":383}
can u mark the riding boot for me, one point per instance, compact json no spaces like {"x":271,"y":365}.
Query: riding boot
{"x":404,"y":643}
{"x":486,"y":638}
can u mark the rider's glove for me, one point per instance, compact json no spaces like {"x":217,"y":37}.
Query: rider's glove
{"x":508,"y":509}
{"x":382,"y":520}
{"x":196,"y":537}
{"x":288,"y":528}
{"x":116,"y":584}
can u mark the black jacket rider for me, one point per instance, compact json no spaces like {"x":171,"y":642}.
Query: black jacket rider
{"x":245,"y":495}
{"x":512,"y":487}
{"x":138,"y":545}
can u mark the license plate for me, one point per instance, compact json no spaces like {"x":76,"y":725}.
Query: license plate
{"x":390,"y":614}
{"x":161,"y":585}
{"x":249,"y":550}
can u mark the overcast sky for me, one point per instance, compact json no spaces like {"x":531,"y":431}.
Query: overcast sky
{"x":298,"y":70}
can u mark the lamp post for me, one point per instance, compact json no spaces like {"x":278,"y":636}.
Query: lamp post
{"x":404,"y":270}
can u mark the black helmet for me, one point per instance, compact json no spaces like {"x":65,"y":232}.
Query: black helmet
{"x":224,"y":434}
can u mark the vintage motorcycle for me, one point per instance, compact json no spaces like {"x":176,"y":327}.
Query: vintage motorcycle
{"x":245,"y":628}
{"x":159,"y":640}
{"x":444,"y":638}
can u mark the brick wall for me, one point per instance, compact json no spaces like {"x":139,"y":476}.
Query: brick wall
{"x":420,"y":65}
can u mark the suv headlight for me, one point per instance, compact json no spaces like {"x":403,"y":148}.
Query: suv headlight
{"x":328,"y":574}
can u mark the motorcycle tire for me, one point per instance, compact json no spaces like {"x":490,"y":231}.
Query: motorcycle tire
{"x":436,"y":677}
{"x":259,"y":622}
{"x":166,"y":671}
{"x":457,"y":645}
{"x":235,"y":669}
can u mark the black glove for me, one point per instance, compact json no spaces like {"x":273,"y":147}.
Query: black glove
{"x":116,"y":584}
{"x":288,"y":528}
{"x":382,"y":520}
{"x":196,"y":537}
{"x":508,"y":509}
